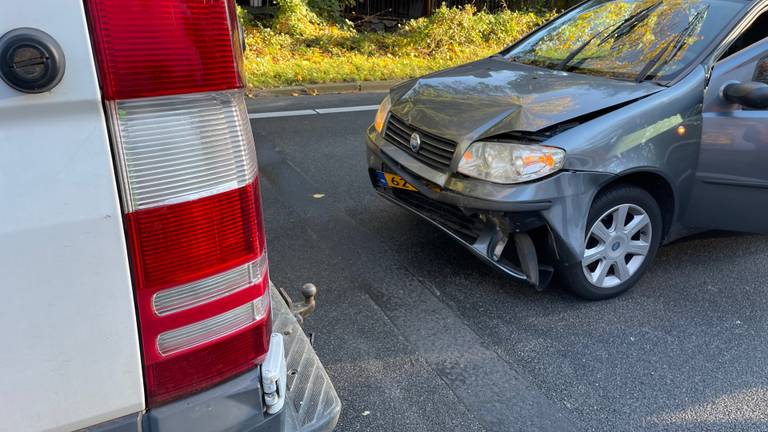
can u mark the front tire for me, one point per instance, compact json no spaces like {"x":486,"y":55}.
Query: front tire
{"x":624,"y":230}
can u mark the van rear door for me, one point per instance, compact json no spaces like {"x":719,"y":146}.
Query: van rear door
{"x":69,"y":355}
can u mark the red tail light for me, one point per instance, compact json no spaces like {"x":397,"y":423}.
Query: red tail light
{"x":217,"y":232}
{"x":169,"y":71}
{"x":162,"y":47}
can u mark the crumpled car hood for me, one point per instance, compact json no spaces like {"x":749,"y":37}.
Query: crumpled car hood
{"x":494,"y":96}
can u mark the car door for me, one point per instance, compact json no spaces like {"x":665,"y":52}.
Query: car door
{"x":731,"y":187}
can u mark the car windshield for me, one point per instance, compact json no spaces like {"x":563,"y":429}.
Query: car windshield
{"x":627,"y":39}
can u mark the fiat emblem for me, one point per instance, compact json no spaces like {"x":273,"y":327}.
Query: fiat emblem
{"x":415,"y":142}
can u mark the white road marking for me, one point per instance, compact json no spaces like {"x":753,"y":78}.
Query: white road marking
{"x":312,"y":111}
{"x":281,"y":114}
{"x":347,"y":109}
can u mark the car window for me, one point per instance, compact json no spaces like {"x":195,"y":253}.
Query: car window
{"x":756,"y":32}
{"x":628,"y":39}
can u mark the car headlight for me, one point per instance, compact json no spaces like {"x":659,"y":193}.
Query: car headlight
{"x":381,"y":114}
{"x":504,"y":162}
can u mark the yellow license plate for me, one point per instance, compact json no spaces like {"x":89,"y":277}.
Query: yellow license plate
{"x":396,"y":181}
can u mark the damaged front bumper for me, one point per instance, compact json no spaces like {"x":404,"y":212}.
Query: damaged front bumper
{"x":522,"y":230}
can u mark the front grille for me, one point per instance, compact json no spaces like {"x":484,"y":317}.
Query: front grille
{"x":467,"y":227}
{"x":435,"y":152}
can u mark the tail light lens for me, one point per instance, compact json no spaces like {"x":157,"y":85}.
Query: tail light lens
{"x":163,"y":47}
{"x":179,"y":147}
{"x":201,"y":291}
{"x":170,"y":77}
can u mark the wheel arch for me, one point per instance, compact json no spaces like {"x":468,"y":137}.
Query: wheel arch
{"x":657,"y":185}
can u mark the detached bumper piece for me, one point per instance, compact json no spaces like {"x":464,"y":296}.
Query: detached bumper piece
{"x":503,"y":240}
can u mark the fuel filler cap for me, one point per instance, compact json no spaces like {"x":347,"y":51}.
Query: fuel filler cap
{"x":31,"y":61}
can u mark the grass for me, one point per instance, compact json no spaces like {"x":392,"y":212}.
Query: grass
{"x":299,"y":48}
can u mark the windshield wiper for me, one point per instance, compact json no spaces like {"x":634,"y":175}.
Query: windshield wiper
{"x":676,"y":44}
{"x":623,"y":28}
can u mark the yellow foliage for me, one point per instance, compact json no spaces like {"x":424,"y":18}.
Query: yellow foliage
{"x":303,"y":49}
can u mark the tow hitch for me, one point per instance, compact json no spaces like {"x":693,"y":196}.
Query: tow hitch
{"x":304,"y":309}
{"x":311,"y":403}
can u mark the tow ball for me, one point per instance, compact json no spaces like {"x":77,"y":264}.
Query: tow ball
{"x":304,"y":309}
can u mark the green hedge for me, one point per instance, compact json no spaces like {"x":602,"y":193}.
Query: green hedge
{"x":299,"y":47}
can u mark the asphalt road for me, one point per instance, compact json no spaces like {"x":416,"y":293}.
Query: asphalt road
{"x":418,"y":335}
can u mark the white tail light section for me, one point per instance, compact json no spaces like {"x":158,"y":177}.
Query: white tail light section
{"x":176,"y":148}
{"x":209,"y":289}
{"x":213,"y":328}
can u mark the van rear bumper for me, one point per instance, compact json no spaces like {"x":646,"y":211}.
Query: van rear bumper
{"x":311,"y":404}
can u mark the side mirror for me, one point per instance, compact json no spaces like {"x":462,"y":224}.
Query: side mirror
{"x":751,"y":95}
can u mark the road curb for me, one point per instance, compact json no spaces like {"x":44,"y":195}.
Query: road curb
{"x":329,"y":88}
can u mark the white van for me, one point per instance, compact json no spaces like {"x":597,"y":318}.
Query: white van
{"x":133,"y":262}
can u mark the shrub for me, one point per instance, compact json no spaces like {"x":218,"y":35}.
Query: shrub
{"x":330,"y":10}
{"x":507,"y":27}
{"x":446,"y":29}
{"x":245,"y":18}
{"x":295,"y":18}
{"x":463,"y":28}
{"x":302,"y":47}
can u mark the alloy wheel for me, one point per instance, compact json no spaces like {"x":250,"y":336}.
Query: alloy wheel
{"x":617,"y":245}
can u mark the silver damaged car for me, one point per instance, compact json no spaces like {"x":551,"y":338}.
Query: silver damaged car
{"x":617,"y":127}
